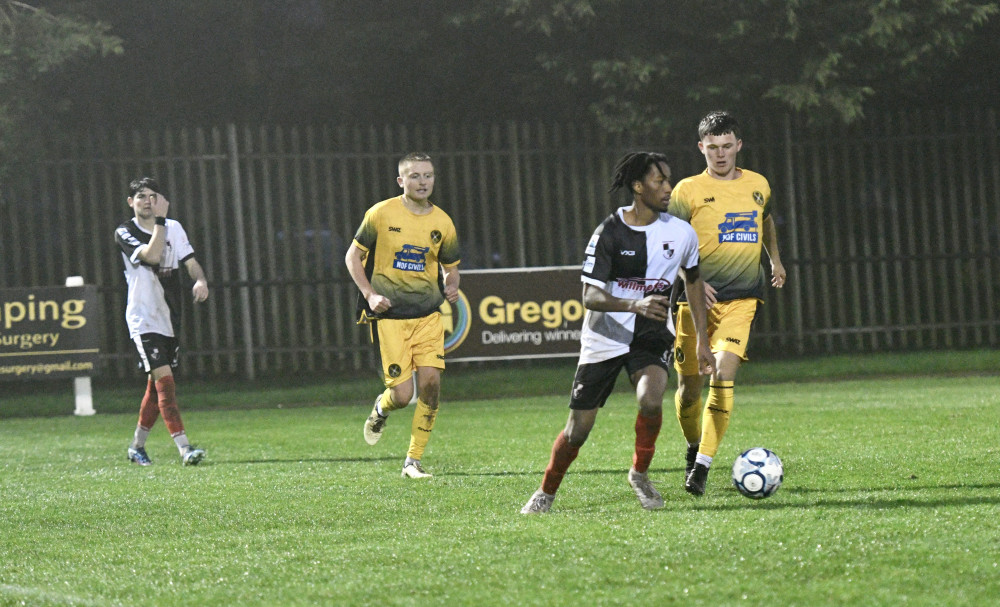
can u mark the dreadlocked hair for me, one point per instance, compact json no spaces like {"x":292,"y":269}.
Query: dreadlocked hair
{"x":633,"y":167}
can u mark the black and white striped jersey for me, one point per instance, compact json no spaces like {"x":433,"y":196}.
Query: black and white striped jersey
{"x":632,"y":262}
{"x":154,"y":292}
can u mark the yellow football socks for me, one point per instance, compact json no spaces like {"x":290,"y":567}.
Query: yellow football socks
{"x":420,"y":430}
{"x":717,"y":409}
{"x":689,"y":418}
{"x":387,"y":405}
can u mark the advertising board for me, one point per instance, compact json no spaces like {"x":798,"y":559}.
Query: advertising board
{"x":49,"y":332}
{"x":515,"y":314}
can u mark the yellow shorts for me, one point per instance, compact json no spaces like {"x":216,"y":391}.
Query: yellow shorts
{"x":405,"y":344}
{"x":729,"y":325}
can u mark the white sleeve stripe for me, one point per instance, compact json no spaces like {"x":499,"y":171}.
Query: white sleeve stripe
{"x":135,"y":254}
{"x":128,"y":237}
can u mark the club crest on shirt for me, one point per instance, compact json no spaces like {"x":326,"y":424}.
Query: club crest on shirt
{"x":435,"y":236}
{"x":758,"y":198}
{"x":668,"y":250}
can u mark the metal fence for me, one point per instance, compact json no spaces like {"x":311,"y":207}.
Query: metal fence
{"x":889,"y":229}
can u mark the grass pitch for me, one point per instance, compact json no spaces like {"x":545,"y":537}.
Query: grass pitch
{"x":891,"y":496}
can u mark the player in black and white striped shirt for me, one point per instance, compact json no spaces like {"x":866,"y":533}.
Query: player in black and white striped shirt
{"x":152,"y":250}
{"x":630,"y":265}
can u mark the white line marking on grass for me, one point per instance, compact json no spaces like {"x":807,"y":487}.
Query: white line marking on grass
{"x":25,"y":592}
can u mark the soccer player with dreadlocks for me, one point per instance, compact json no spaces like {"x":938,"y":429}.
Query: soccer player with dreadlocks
{"x":629,"y":268}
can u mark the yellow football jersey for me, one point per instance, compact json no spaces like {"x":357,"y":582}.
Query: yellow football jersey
{"x":404,"y":251}
{"x":728,"y":216}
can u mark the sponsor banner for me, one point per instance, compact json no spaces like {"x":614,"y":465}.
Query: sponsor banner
{"x":49,"y":332}
{"x":515,"y":313}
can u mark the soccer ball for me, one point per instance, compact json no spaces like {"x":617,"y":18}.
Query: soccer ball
{"x":757,"y":473}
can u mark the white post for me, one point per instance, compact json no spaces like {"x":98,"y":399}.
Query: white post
{"x":81,"y":385}
{"x":84,"y":398}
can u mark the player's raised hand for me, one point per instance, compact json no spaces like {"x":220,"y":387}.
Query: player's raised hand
{"x":656,"y":307}
{"x":160,"y":204}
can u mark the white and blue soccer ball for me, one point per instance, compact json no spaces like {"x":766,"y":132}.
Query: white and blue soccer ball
{"x":758,"y":473}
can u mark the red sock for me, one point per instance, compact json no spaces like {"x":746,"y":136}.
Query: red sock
{"x":646,"y":431}
{"x":563,"y":455}
{"x":168,"y":405}
{"x":149,"y":409}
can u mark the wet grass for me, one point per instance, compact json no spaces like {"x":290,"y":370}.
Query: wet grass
{"x":890,"y":497}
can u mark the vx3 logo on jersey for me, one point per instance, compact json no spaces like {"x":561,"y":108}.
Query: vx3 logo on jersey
{"x":627,"y":253}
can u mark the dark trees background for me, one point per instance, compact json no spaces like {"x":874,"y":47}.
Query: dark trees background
{"x":624,"y":63}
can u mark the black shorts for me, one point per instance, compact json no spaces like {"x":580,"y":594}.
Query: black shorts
{"x":594,"y":382}
{"x":156,"y":351}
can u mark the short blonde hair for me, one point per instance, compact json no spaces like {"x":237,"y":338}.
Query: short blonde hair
{"x":413,"y":157}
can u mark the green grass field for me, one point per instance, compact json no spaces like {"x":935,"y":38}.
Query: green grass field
{"x":891,"y":497}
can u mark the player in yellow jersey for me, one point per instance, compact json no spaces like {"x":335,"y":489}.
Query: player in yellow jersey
{"x":730,"y":209}
{"x":404,"y":260}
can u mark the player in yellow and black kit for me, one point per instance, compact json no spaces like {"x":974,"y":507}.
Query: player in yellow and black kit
{"x":404,"y":260}
{"x":730,"y":209}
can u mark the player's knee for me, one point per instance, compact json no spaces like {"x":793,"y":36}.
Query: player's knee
{"x":650,"y":407}
{"x":689,"y":390}
{"x":430,"y":393}
{"x":576,"y":436}
{"x":726,"y":366}
{"x":402,"y":394}
{"x":579,"y":425}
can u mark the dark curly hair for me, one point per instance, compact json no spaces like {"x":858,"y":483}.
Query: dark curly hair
{"x":633,"y":167}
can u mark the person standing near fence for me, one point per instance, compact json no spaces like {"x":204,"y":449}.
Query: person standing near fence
{"x":629,"y":267}
{"x":152,"y":251}
{"x":730,"y":209}
{"x":404,"y":261}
